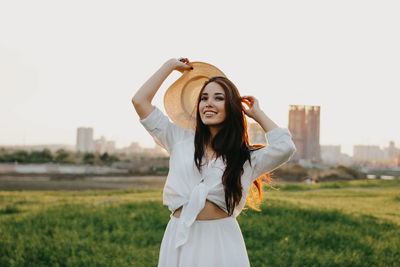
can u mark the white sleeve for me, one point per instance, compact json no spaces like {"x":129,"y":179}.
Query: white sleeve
{"x":164,"y":132}
{"x":279,"y":150}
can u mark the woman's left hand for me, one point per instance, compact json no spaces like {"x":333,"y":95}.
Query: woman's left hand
{"x":252,"y":103}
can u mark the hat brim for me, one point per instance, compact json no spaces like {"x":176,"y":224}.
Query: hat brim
{"x":180,"y":99}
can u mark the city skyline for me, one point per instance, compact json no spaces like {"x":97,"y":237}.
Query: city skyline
{"x":59,"y":74}
{"x":345,"y":149}
{"x":85,"y":141}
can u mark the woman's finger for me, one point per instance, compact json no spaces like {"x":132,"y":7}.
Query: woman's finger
{"x":184,"y":66}
{"x":184,"y":60}
{"x":247,"y":103}
{"x":251,"y":102}
{"x":252,"y":98}
{"x":249,"y":98}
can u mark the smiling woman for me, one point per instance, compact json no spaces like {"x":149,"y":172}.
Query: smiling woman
{"x":212,"y":167}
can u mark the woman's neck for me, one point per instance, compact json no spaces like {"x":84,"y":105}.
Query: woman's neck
{"x":213,"y":131}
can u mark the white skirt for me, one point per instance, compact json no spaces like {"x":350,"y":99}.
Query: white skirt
{"x":211,"y":243}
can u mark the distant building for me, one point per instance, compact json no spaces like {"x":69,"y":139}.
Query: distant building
{"x":389,"y":156}
{"x":100,"y":145}
{"x":330,"y":153}
{"x":110,"y":147}
{"x":136,"y":149}
{"x":156,"y":150}
{"x":84,"y":140}
{"x":396,"y":161}
{"x":304,"y":125}
{"x":367,"y":152}
{"x":256,"y":134}
{"x":345,"y":159}
{"x":103,"y":146}
{"x":391,"y":152}
{"x":133,"y":148}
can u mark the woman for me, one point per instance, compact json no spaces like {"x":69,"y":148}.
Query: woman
{"x":211,"y":169}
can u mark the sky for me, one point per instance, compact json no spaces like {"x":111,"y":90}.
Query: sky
{"x":70,"y":64}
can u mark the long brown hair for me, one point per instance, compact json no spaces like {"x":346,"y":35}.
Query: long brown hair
{"x":231,"y":143}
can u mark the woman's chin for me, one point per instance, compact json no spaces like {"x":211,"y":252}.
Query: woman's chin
{"x":212,"y":123}
{"x":209,"y":122}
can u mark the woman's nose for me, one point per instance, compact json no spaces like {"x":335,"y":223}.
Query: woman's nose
{"x":209,"y":103}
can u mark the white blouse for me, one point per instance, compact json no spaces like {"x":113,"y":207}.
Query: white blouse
{"x":186,"y":187}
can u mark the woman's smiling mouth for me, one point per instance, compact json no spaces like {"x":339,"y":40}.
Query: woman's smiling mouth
{"x":209,"y":113}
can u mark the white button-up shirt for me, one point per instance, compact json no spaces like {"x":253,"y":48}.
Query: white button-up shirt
{"x":187,"y":187}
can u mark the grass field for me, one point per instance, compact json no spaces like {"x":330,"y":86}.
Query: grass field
{"x":330,"y":224}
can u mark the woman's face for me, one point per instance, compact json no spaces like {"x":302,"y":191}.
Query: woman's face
{"x":212,"y":104}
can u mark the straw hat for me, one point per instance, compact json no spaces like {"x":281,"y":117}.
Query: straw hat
{"x":180,"y":99}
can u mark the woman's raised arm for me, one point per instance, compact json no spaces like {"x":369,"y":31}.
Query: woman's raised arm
{"x":143,"y":97}
{"x":257,"y":114}
{"x":280,"y":144}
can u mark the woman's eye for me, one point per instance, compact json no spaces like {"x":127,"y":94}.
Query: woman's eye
{"x":218,"y":98}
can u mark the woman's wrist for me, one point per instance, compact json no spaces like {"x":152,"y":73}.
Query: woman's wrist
{"x":264,"y":121}
{"x":169,"y":65}
{"x":180,"y":65}
{"x":258,"y":115}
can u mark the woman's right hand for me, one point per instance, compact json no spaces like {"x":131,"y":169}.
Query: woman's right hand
{"x":181,"y":64}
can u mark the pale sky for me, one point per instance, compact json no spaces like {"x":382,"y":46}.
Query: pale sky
{"x":69,"y":64}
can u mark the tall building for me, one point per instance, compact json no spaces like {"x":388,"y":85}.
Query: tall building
{"x":84,"y":139}
{"x":304,"y":125}
{"x":297,"y":127}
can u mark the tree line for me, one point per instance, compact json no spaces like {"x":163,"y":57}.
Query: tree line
{"x":61,"y":156}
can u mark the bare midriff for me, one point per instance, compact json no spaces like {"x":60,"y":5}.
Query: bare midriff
{"x":210,"y":212}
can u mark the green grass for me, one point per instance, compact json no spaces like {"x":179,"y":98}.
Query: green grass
{"x":285,"y":235}
{"x":332,"y":224}
{"x":344,"y":184}
{"x":70,"y":235}
{"x":377,"y":198}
